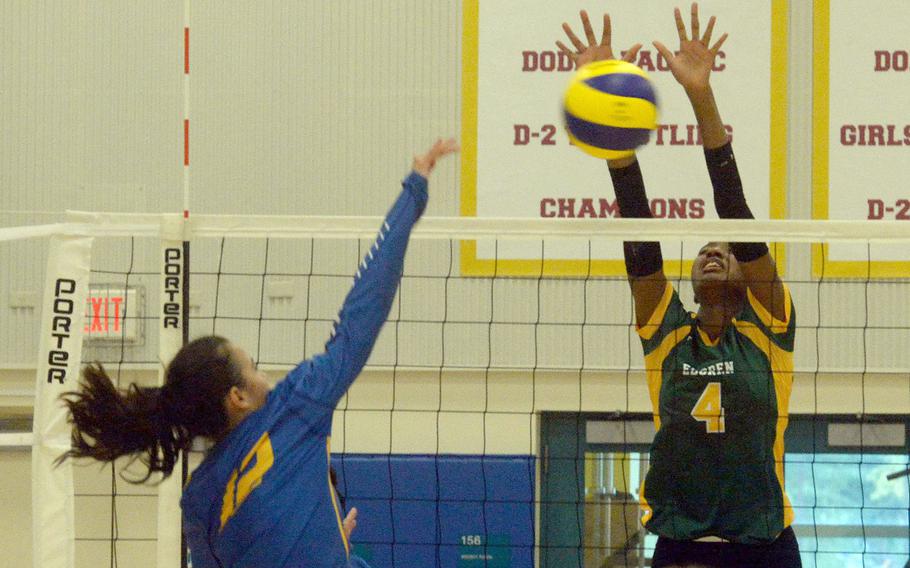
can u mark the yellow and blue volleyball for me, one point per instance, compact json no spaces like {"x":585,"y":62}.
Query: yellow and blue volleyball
{"x":610,"y":109}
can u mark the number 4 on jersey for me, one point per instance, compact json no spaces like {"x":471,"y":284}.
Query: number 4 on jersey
{"x":709,"y":409}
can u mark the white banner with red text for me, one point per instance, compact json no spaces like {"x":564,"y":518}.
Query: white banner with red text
{"x":517,"y":160}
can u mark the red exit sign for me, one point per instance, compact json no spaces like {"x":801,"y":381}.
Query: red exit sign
{"x":114,"y":314}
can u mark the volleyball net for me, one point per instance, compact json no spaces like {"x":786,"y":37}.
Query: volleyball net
{"x":503,"y":418}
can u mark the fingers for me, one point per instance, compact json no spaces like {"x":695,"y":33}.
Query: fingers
{"x":706,"y":39}
{"x":662,"y":49}
{"x":716,"y":47}
{"x":446,"y":146}
{"x":435,"y":150}
{"x":425,"y":163}
{"x":589,"y":31}
{"x":696,"y":29}
{"x":579,"y":46}
{"x":606,"y":38}
{"x":632,"y":53}
{"x":350,"y":522}
{"x":441,"y":148}
{"x":680,"y":26}
{"x":562,"y":47}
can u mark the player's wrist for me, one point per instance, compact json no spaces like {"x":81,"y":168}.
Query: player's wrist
{"x":700,"y":93}
{"x":621,"y":162}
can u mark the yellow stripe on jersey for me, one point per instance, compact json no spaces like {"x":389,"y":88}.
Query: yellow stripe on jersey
{"x":328,"y":459}
{"x":706,"y":339}
{"x":654,"y":362}
{"x":648,"y":330}
{"x":781,"y":362}
{"x":772,"y":323}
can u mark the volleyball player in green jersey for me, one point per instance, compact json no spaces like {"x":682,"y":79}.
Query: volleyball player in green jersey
{"x":719,"y":379}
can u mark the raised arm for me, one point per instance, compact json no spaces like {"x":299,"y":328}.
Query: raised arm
{"x":367,"y":305}
{"x":644,"y":263}
{"x":691,"y":67}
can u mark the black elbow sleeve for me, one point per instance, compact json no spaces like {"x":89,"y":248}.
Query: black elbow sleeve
{"x":630,"y":192}
{"x":747,"y":252}
{"x":729,"y":199}
{"x":642,"y":258}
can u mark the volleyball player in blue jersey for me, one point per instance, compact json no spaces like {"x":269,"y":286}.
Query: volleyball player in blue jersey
{"x":720,"y":379}
{"x":263,"y":496}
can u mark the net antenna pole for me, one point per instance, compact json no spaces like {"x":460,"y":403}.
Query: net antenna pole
{"x":185,"y":247}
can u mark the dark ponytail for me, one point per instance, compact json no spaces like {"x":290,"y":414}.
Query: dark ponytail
{"x":155,"y":424}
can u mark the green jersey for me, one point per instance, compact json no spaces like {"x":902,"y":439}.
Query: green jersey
{"x":720,"y":409}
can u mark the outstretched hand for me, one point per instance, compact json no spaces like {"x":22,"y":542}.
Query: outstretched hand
{"x":424,"y":164}
{"x":691,"y":66}
{"x":593,"y":51}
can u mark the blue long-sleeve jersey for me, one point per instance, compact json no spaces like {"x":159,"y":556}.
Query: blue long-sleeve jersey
{"x":263,"y":496}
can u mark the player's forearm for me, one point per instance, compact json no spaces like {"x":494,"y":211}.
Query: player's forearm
{"x":729,"y":198}
{"x":642,"y":258}
{"x":367,"y":305}
{"x":713,"y":133}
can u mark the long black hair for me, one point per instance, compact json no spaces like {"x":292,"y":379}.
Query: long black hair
{"x":154,"y":423}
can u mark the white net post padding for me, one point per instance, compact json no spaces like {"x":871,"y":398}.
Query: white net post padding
{"x":60,"y":357}
{"x":171,"y":336}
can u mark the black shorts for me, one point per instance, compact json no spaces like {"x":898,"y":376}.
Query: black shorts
{"x":782,"y":553}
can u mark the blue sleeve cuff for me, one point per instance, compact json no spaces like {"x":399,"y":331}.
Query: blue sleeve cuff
{"x":416,"y":185}
{"x":415,"y":180}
